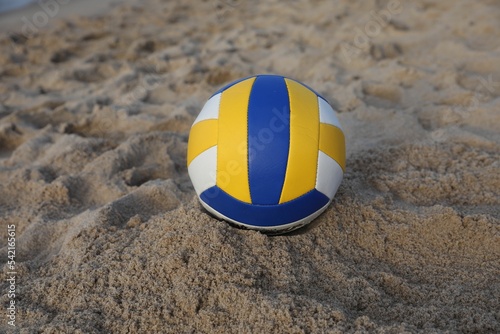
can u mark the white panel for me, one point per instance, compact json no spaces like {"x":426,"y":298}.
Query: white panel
{"x":327,"y":114}
{"x":329,"y":175}
{"x":202,"y":170}
{"x":210,"y":109}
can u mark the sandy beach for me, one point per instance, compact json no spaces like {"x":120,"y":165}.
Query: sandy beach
{"x":109,"y":236}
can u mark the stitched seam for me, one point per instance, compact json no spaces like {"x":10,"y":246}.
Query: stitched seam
{"x":289,"y":138}
{"x":279,"y":204}
{"x":317,"y":142}
{"x":218,"y":137}
{"x":248,"y":140}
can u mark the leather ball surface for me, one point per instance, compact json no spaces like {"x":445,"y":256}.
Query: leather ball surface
{"x":266,"y":152}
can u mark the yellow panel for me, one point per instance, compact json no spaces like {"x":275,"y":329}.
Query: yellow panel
{"x":232,"y":150}
{"x":202,"y":136}
{"x":332,"y":143}
{"x":300,"y":174}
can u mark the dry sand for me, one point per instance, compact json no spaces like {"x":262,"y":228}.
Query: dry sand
{"x":95,"y":113}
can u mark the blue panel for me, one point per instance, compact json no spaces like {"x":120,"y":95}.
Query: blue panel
{"x":264,"y":215}
{"x":251,"y":76}
{"x":268,"y":138}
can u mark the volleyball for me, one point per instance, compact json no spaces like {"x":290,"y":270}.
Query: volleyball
{"x":267,"y":153}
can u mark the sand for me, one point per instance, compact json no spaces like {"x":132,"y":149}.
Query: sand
{"x":110,"y":238}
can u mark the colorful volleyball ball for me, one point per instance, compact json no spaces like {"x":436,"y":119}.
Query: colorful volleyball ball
{"x":267,"y":153}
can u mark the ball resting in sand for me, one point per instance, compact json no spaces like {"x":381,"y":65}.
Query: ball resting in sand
{"x":267,"y":153}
